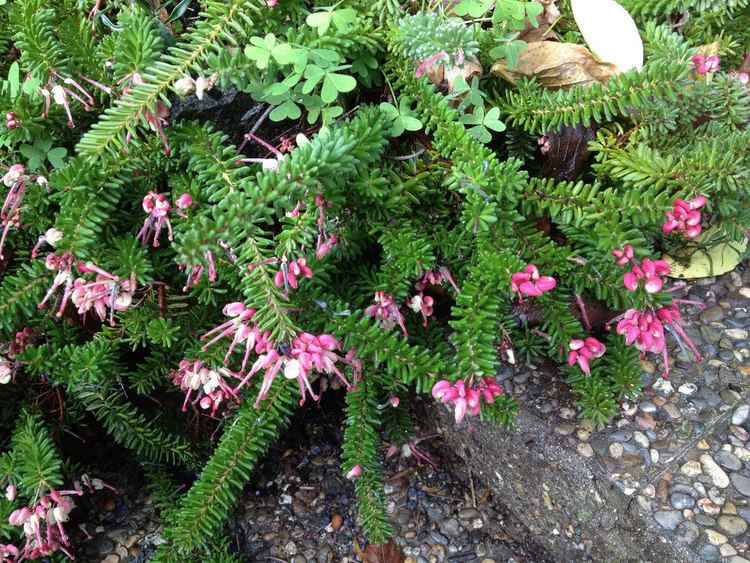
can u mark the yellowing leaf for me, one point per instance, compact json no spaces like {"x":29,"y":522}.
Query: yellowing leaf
{"x":556,"y":65}
{"x":610,"y":32}
{"x":720,"y":259}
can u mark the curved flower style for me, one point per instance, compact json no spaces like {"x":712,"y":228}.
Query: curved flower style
{"x":288,"y":275}
{"x":242,"y":331}
{"x":581,"y":351}
{"x":530,"y":283}
{"x":650,"y":271}
{"x":685,"y":217}
{"x":385,"y":310}
{"x":211,"y":387}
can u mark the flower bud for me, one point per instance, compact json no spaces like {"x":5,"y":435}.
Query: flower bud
{"x":184,"y":86}
{"x":10,"y":492}
{"x":53,"y":236}
{"x":354,"y":472}
{"x":184,"y":201}
{"x":201,"y":85}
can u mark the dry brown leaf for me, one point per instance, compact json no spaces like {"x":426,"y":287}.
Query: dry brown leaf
{"x":439,"y":76}
{"x":556,"y":65}
{"x":385,"y":553}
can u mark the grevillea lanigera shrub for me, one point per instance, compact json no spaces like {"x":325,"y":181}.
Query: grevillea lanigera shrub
{"x":397,"y":220}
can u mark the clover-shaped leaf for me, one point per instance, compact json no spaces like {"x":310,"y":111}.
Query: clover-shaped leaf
{"x":333,"y":82}
{"x":482,"y":122}
{"x":262,"y":49}
{"x":341,"y":19}
{"x":403,"y":118}
{"x":473,"y":8}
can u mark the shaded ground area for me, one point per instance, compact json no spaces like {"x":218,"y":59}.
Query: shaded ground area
{"x":299,"y":508}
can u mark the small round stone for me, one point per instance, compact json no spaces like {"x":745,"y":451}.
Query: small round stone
{"x":741,"y":483}
{"x":715,"y":538}
{"x":687,"y":388}
{"x":616,"y":450}
{"x":691,"y":468}
{"x":682,"y":501}
{"x":741,"y":414}
{"x":709,"y":507}
{"x":585,"y":449}
{"x":732,"y":525}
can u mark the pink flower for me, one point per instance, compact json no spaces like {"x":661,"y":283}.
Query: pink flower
{"x":157,"y":206}
{"x":624,"y":256}
{"x":685,"y":217}
{"x":395,"y":402}
{"x":742,"y":77}
{"x":437,"y":277}
{"x":705,"y":65}
{"x":581,"y":351}
{"x":184,"y":201}
{"x":421,"y":303}
{"x":210,"y":385}
{"x":10,"y":492}
{"x":650,"y":271}
{"x":466,"y":399}
{"x":354,"y":472}
{"x":11,"y":121}
{"x":288,"y":274}
{"x":530,"y":283}
{"x":238,"y":327}
{"x":385,"y":310}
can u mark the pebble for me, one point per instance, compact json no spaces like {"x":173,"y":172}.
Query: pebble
{"x":736,"y":333}
{"x":715,"y":538}
{"x":668,"y":519}
{"x":709,"y":553}
{"x":468,"y":513}
{"x":337,"y":521}
{"x":682,"y":501}
{"x":688,"y":532}
{"x":622,"y":435}
{"x":691,"y":468}
{"x":672,"y":411}
{"x":742,"y":453}
{"x":729,"y":460}
{"x":450,"y":527}
{"x":640,"y":439}
{"x":112,"y":558}
{"x":727,"y":550}
{"x":741,"y":414}
{"x":731,"y":525}
{"x":712,"y":314}
{"x":720,"y":479}
{"x":709,"y":507}
{"x":741,"y":483}
{"x":647,"y":406}
{"x":663,"y":386}
{"x":616,"y":450}
{"x":687,"y":388}
{"x":585,"y":449}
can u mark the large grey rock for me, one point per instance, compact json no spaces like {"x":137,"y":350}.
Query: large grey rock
{"x":550,"y":488}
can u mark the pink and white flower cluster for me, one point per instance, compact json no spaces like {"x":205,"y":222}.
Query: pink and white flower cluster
{"x":466,"y":398}
{"x":705,"y":65}
{"x":305,"y":354}
{"x":211,"y":388}
{"x":43,"y":523}
{"x":385,"y":310}
{"x":105,"y":292}
{"x":581,"y":351}
{"x":685,"y":217}
{"x":530,"y":283}
{"x":158,"y":208}
{"x":289,"y":274}
{"x":16,"y":179}
{"x":650,"y":272}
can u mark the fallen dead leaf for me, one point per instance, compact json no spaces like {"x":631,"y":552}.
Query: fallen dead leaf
{"x":719,"y":260}
{"x":446,"y":78}
{"x":568,"y":152}
{"x":385,"y":553}
{"x":556,"y":65}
